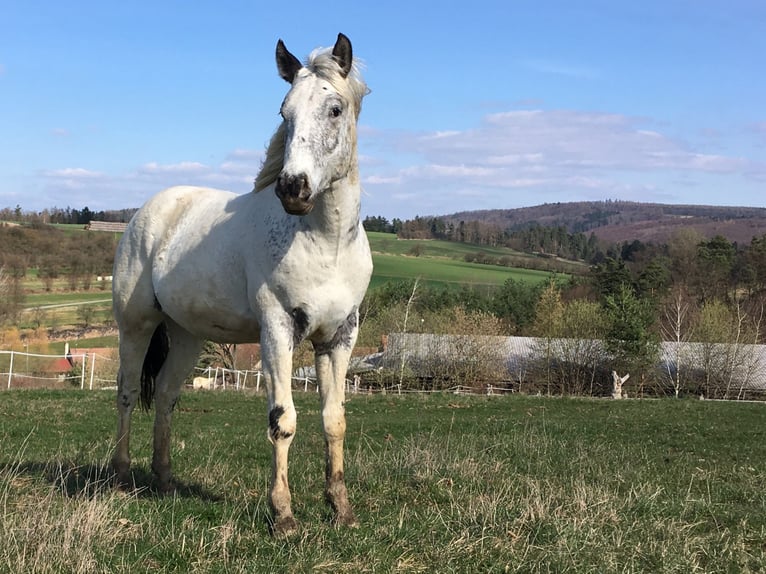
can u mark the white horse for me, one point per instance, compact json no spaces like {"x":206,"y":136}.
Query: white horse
{"x":285,"y":263}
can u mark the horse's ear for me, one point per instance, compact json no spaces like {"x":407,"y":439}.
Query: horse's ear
{"x":342,"y":54}
{"x":287,"y":64}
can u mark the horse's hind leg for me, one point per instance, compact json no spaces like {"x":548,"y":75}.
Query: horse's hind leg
{"x":331,"y":365}
{"x":134,"y":343}
{"x":182,"y":356}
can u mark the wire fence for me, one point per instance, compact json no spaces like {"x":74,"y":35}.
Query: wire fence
{"x":94,"y":371}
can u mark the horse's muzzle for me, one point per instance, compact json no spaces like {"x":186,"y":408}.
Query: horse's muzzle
{"x":295,"y":194}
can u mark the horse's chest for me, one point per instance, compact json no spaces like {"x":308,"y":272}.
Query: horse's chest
{"x":327,"y":286}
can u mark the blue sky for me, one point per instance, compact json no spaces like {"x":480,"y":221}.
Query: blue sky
{"x":474,"y":105}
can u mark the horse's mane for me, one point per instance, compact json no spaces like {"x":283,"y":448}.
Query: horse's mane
{"x":352,"y":88}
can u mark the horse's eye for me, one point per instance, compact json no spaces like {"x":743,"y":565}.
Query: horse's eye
{"x":336,"y":111}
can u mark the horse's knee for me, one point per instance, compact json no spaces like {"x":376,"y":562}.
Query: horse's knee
{"x":334,"y":422}
{"x":282,"y":422}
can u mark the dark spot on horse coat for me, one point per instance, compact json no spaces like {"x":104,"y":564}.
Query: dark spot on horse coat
{"x":157,"y":304}
{"x":300,"y":325}
{"x":342,"y":335}
{"x":274,"y":429}
{"x":353,"y":232}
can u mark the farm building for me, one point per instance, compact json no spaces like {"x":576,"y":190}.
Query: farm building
{"x":582,"y":366}
{"x":110,"y":226}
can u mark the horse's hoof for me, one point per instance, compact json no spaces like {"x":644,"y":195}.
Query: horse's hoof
{"x":166,"y":487}
{"x":347,"y":519}
{"x":123,"y":482}
{"x":284,"y":526}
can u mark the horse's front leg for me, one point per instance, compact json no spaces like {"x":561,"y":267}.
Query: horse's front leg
{"x":276,"y":355}
{"x":331,"y":364}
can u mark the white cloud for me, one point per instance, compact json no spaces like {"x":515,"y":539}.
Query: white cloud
{"x":532,"y":156}
{"x":73,"y":173}
{"x":101,"y":190}
{"x":380,"y":180}
{"x":184,"y":167}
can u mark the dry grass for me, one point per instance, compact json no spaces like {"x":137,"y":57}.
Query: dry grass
{"x":440,"y":483}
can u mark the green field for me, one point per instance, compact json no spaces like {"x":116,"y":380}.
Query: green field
{"x":440,"y":483}
{"x":446,"y":271}
{"x":389,"y":243}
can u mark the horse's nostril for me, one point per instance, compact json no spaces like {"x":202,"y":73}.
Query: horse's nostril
{"x":293,"y":184}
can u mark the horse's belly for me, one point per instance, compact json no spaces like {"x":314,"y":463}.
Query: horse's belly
{"x":221,"y":318}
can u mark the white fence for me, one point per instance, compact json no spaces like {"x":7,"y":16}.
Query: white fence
{"x":94,"y":371}
{"x":16,"y":366}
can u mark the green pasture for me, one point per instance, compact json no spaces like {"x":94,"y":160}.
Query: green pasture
{"x":456,"y":272}
{"x":440,"y":483}
{"x":390,"y":244}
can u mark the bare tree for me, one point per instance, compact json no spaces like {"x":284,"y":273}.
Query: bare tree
{"x":11,"y":295}
{"x":410,"y":301}
{"x":676,"y":328}
{"x":726,"y":351}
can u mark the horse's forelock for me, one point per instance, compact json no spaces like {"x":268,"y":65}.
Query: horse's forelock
{"x":352,"y":87}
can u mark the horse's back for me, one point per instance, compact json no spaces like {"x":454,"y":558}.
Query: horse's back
{"x":153,"y":229}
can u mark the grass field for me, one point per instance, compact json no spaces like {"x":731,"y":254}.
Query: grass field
{"x":389,"y":243}
{"x":447,"y":271}
{"x":440,"y":483}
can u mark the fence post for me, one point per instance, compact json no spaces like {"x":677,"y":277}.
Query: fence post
{"x":92,"y":369}
{"x":10,"y":371}
{"x":82,"y":373}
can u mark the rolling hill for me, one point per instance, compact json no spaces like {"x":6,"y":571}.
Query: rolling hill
{"x":618,"y":221}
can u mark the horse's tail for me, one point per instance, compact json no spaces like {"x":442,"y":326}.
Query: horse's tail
{"x":153,"y":361}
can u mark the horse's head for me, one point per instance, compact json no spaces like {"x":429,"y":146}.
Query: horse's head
{"x":319,"y":127}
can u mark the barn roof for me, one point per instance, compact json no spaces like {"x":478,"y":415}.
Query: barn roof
{"x":747,"y":363}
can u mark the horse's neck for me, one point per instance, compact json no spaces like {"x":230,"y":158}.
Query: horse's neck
{"x":336,"y":213}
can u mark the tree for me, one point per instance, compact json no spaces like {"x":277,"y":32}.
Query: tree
{"x":11,"y":296}
{"x":676,"y":325}
{"x":547,"y":325}
{"x":682,"y":250}
{"x":629,"y":338}
{"x":655,"y":278}
{"x":716,"y":258}
{"x":515,"y":302}
{"x":86,"y":314}
{"x":218,"y":355}
{"x":611,"y":276}
{"x":726,"y":333}
{"x":756,"y":259}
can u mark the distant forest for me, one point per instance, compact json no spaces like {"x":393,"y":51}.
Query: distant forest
{"x":553,"y":241}
{"x":67,"y":215}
